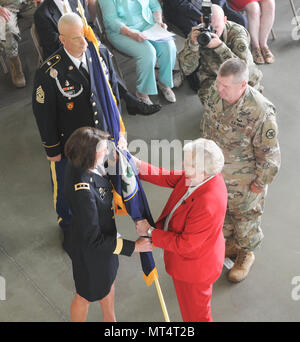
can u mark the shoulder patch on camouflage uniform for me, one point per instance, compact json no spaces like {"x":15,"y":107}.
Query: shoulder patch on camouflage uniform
{"x":49,"y":63}
{"x":40,"y":95}
{"x":241,"y":47}
{"x":270,"y":132}
{"x":82,"y":186}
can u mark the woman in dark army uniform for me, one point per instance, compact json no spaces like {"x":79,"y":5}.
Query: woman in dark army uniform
{"x":92,"y":241}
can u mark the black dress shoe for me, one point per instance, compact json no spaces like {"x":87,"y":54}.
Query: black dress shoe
{"x":143,"y":108}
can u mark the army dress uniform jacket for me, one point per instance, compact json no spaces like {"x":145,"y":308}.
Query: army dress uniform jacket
{"x":235,"y":44}
{"x":92,"y":238}
{"x":64,"y":100}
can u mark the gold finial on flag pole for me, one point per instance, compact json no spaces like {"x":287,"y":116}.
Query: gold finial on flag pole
{"x":81,"y":12}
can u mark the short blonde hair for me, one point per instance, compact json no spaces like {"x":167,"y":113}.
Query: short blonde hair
{"x":69,"y":19}
{"x":209,"y":153}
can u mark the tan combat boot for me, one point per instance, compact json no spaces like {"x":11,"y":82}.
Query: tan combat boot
{"x":16,"y":72}
{"x":232,"y":249}
{"x":241,"y":266}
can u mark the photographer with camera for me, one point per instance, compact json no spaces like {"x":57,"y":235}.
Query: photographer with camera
{"x":213,"y":42}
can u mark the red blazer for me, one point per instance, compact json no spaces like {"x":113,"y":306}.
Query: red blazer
{"x":194,"y":246}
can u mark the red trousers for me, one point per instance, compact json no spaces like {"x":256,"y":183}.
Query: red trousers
{"x":194,"y":301}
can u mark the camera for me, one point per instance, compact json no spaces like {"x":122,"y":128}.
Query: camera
{"x":205,"y":27}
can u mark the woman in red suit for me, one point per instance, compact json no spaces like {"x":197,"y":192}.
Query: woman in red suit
{"x":190,"y":226}
{"x":261,"y":14}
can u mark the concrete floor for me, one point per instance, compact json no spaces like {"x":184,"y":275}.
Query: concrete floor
{"x":37,"y":272}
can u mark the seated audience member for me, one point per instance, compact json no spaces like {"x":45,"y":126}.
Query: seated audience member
{"x":10,"y":34}
{"x":125,"y":21}
{"x":93,"y":242}
{"x":231,"y":40}
{"x":46,"y":18}
{"x":261,"y":15}
{"x":185,"y":15}
{"x":190,"y":226}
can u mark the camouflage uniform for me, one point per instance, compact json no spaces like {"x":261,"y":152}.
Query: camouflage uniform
{"x":24,"y":7}
{"x":235,"y":44}
{"x":246,"y":131}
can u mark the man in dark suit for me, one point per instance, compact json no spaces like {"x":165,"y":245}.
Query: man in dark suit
{"x":46,"y":18}
{"x":65,"y":98}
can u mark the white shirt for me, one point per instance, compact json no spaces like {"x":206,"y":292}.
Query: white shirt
{"x":63,"y":5}
{"x":78,"y":61}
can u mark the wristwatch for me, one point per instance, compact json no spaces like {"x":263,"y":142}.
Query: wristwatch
{"x":149,"y":231}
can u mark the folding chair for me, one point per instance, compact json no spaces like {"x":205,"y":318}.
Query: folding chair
{"x":37,"y":45}
{"x":295,"y":13}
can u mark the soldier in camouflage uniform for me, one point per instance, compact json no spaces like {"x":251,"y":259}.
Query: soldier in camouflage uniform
{"x":231,"y":40}
{"x":243,"y":123}
{"x":10,"y":34}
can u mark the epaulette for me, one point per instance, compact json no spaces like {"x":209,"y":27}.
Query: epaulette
{"x":82,"y":186}
{"x":50,"y":62}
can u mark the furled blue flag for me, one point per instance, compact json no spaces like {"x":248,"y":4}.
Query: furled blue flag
{"x":129,"y":196}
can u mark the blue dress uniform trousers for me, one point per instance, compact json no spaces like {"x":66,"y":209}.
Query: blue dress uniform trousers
{"x":64,"y":100}
{"x":57,"y":170}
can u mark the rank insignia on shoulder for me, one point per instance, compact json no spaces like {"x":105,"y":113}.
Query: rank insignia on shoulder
{"x":40,"y":95}
{"x":82,"y":186}
{"x":51,"y":62}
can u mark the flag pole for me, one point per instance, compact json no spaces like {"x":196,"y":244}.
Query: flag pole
{"x":81,"y":12}
{"x":161,"y":299}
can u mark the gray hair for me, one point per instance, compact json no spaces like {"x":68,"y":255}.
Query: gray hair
{"x":236,"y":67}
{"x":206,"y":155}
{"x":69,"y":19}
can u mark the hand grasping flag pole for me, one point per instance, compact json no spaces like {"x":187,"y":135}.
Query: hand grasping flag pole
{"x":129,"y":196}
